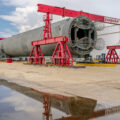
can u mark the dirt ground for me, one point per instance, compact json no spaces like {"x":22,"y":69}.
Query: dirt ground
{"x":99,"y":83}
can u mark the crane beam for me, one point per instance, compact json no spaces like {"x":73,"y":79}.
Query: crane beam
{"x":50,"y":41}
{"x":72,"y":13}
{"x":113,"y":47}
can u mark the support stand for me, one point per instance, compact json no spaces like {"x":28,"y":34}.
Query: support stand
{"x":61,"y":55}
{"x":36,"y":56}
{"x":112,"y":56}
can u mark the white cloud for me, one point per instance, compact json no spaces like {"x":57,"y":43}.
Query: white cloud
{"x":21,"y":3}
{"x":7,"y":33}
{"x":26,"y":17}
{"x":21,"y":102}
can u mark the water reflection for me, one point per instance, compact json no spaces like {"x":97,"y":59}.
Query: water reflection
{"x":30,"y":104}
{"x":15,"y":106}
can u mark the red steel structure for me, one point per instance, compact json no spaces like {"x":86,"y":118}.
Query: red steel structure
{"x":112,"y":56}
{"x":61,"y":55}
{"x":47,"y":27}
{"x":72,"y":13}
{"x":9,"y":60}
{"x":36,"y":56}
{"x":47,"y":106}
{"x":1,"y":38}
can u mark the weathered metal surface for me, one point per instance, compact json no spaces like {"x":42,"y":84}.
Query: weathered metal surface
{"x":80,"y":31}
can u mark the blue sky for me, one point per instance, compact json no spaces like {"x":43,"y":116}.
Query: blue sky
{"x":5,"y":25}
{"x":18,"y":16}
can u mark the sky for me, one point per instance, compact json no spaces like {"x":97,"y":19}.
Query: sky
{"x":17,"y":16}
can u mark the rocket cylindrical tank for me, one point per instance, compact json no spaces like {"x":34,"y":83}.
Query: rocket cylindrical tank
{"x":80,"y":31}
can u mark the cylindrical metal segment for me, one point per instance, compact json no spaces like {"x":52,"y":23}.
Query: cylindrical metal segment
{"x":80,"y":31}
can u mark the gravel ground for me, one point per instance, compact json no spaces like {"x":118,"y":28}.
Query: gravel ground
{"x":99,"y":83}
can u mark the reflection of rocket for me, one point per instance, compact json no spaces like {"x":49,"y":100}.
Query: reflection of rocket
{"x":72,"y":106}
{"x":80,"y":31}
{"x":77,"y":108}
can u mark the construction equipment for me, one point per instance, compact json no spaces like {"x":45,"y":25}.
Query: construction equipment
{"x":80,"y":30}
{"x":1,"y":38}
{"x":112,"y":56}
{"x":80,"y":43}
{"x":73,"y":13}
{"x":61,"y":54}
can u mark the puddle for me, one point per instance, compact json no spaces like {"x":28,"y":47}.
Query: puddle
{"x":15,"y":106}
{"x":18,"y":102}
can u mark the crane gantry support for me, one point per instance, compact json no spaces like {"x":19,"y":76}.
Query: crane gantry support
{"x":72,"y":13}
{"x":61,"y":55}
{"x":112,"y":56}
{"x":1,"y":38}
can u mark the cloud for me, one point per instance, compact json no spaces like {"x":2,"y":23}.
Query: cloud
{"x":26,"y":104}
{"x":21,"y":3}
{"x":26,"y":17}
{"x":7,"y":33}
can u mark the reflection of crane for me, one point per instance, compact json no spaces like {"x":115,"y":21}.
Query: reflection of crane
{"x":47,"y":108}
{"x":47,"y":105}
{"x":65,"y":104}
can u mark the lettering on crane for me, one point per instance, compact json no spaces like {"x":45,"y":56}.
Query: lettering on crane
{"x":111,"y":20}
